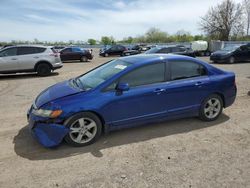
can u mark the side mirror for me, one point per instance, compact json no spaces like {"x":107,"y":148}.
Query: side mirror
{"x":122,"y":87}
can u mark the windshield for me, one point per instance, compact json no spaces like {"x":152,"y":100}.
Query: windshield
{"x":152,"y":50}
{"x":99,"y":75}
{"x":230,"y":48}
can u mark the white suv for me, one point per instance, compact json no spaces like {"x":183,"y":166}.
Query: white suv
{"x":27,"y":58}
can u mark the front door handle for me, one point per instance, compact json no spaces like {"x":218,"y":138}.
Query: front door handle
{"x":36,"y":57}
{"x":14,"y":59}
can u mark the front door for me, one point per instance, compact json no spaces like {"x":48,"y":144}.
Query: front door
{"x":9,"y":60}
{"x":144,"y":100}
{"x":66,"y":54}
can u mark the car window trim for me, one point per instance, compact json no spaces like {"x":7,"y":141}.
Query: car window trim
{"x":118,"y":79}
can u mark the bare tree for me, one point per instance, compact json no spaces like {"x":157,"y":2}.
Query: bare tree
{"x":223,"y":20}
{"x":246,"y":4}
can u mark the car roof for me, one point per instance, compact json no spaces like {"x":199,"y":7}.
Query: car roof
{"x":27,"y":45}
{"x":150,"y":58}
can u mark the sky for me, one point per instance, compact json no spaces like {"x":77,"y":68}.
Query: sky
{"x":64,"y":20}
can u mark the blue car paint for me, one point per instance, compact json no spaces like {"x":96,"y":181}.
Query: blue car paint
{"x":182,"y":98}
{"x":50,"y":135}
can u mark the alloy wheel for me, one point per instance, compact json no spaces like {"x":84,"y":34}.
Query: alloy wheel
{"x":83,"y":130}
{"x":212,"y":108}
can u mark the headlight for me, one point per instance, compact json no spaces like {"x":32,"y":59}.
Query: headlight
{"x":47,"y":113}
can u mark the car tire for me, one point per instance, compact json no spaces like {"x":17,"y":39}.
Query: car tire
{"x":211,"y":108}
{"x":106,"y":55}
{"x":231,"y":60}
{"x":84,"y":59}
{"x":85,"y":129}
{"x":43,"y":69}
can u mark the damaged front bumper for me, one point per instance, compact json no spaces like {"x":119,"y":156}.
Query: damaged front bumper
{"x":47,"y":132}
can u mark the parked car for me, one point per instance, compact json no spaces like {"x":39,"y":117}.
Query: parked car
{"x":129,"y":91}
{"x":75,"y":53}
{"x":145,"y":47}
{"x":112,"y":50}
{"x":232,"y":54}
{"x":130,"y":52}
{"x":180,"y":50}
{"x":26,"y":58}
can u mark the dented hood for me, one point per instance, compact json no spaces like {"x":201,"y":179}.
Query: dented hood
{"x":56,"y":91}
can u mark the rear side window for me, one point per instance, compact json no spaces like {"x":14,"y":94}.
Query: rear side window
{"x":145,"y":75}
{"x":29,"y":50}
{"x":8,"y":52}
{"x":177,"y":49}
{"x":76,"y":50}
{"x":186,"y":69}
{"x":164,"y":50}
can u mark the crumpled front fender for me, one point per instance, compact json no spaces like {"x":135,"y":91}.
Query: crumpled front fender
{"x":49,"y":135}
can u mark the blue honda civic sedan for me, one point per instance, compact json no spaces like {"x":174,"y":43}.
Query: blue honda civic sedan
{"x":126,"y":92}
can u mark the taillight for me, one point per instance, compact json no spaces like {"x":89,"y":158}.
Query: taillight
{"x":54,"y":54}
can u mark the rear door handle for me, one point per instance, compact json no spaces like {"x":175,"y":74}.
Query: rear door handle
{"x":198,"y":83}
{"x":14,"y":59}
{"x":158,"y":90}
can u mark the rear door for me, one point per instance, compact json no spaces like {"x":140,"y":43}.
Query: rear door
{"x":9,"y":60}
{"x":28,"y":56}
{"x":188,"y":86}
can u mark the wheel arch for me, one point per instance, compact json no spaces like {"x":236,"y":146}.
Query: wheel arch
{"x":222,"y":97}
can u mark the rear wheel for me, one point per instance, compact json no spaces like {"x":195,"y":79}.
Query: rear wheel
{"x":84,"y":59}
{"x":106,"y":54}
{"x":43,"y":69}
{"x":211,"y":108}
{"x":85,"y":128}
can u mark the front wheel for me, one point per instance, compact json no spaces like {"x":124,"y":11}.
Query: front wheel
{"x":85,"y":128}
{"x":211,"y":108}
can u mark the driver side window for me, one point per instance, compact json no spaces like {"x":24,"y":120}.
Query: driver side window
{"x":8,"y":52}
{"x":146,"y":75}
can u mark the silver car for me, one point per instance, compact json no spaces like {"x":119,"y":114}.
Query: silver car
{"x":27,"y":58}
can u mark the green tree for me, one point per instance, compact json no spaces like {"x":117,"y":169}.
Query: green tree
{"x":156,"y":35}
{"x":107,"y":40}
{"x":223,"y":20}
{"x":92,"y":41}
